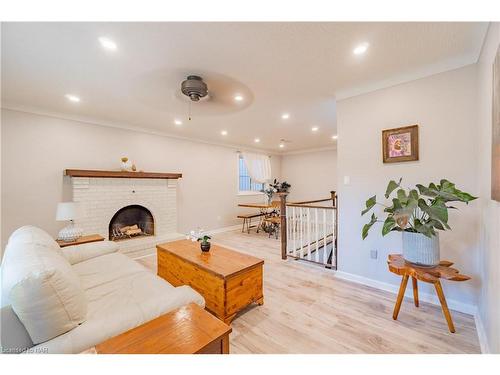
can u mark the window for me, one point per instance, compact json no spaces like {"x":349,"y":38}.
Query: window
{"x":245,"y":183}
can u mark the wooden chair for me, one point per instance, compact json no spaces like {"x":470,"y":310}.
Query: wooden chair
{"x":274,"y":222}
{"x":247,"y":220}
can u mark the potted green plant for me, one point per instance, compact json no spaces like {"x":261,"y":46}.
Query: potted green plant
{"x":204,"y":243}
{"x":280,"y":187}
{"x":419,"y":213}
{"x":269,"y":192}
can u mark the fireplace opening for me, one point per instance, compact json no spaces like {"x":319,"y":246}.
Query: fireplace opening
{"x":131,"y":222}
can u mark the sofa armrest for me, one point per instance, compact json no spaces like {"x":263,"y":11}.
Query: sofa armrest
{"x":79,"y":253}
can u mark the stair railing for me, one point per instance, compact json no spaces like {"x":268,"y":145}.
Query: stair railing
{"x":309,"y":230}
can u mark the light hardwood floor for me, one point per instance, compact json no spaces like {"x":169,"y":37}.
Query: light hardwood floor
{"x":308,"y":310}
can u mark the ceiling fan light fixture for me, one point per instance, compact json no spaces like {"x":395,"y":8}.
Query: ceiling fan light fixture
{"x":194,"y":88}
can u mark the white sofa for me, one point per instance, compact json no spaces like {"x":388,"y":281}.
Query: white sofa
{"x":68,"y":300}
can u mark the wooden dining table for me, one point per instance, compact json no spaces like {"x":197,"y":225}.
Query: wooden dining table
{"x":261,"y":206}
{"x":266,"y":209}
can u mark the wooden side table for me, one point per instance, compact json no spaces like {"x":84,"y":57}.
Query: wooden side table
{"x":399,"y":266}
{"x":81,"y":240}
{"x":187,"y":330}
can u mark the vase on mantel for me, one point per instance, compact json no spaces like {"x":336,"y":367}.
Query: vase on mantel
{"x":126,"y":165}
{"x":420,"y":249}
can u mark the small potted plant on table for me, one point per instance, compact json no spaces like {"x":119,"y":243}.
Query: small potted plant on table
{"x":204,"y":243}
{"x":418,"y":213}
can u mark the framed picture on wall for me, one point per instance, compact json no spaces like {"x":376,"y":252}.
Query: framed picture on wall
{"x":400,"y":144}
{"x":495,"y":147}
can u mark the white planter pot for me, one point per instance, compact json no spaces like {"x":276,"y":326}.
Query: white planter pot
{"x":420,"y":249}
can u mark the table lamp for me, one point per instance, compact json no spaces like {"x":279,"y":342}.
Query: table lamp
{"x":68,"y":211}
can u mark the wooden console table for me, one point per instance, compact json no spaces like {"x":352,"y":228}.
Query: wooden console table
{"x":81,"y":240}
{"x":430,"y":275}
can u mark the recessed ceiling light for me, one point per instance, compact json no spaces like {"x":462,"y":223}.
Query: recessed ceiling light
{"x":314,"y":128}
{"x":256,"y":140}
{"x":108,"y":43}
{"x":282,"y":145}
{"x":72,"y":98}
{"x":224,"y":132}
{"x":238,"y":98}
{"x":360,"y":49}
{"x":335,"y":136}
{"x":285,"y":116}
{"x":177,"y":122}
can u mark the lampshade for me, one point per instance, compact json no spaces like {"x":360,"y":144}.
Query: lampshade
{"x":67,"y":211}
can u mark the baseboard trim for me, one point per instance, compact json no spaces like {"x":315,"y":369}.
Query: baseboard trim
{"x":181,"y":236}
{"x":425,"y":297}
{"x":481,"y":334}
{"x":224,"y":229}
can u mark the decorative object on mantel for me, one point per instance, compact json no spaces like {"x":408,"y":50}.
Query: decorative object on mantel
{"x":443,"y":270}
{"x":400,"y":144}
{"x":418,"y":214}
{"x":126,"y":166}
{"x":280,"y":187}
{"x":119,"y":174}
{"x":68,"y":211}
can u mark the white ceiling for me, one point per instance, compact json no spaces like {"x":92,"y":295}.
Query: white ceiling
{"x":297,"y":68}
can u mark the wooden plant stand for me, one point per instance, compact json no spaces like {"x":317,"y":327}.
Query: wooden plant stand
{"x":430,"y":275}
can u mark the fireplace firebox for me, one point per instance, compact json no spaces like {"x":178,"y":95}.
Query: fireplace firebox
{"x":131,"y":222}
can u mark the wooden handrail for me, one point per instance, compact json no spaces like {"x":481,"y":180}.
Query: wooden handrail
{"x":309,"y":206}
{"x":316,"y":201}
{"x":333,"y":198}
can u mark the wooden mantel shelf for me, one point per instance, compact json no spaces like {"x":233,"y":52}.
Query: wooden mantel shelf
{"x":119,"y":174}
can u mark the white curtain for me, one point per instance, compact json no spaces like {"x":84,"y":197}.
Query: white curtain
{"x":259,"y":166}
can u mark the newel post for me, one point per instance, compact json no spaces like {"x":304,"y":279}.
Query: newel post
{"x":334,"y":198}
{"x":283,"y":223}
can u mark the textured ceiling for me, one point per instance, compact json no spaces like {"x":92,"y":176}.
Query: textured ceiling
{"x":297,"y":68}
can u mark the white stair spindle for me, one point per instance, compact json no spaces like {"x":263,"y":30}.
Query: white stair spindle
{"x":308,"y":233}
{"x":325,"y":259}
{"x":316,"y":235}
{"x":301,"y":232}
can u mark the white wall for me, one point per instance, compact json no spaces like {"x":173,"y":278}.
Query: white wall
{"x":36,"y":149}
{"x":312,"y":174}
{"x":444,"y":106}
{"x":489,"y":300}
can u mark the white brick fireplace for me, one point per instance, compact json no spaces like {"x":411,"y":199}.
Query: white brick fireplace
{"x":100,"y":198}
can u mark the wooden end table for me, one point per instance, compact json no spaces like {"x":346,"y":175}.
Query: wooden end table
{"x":187,"y":330}
{"x":228,"y":280}
{"x":431,"y":275}
{"x":81,"y":240}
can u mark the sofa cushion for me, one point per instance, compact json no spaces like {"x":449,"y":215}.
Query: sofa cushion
{"x":105,"y":269}
{"x":79,"y":253}
{"x":48,"y":304}
{"x":30,"y":249}
{"x":39,"y":283}
{"x":32,"y":234}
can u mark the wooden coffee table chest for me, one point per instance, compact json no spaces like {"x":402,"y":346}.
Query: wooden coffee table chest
{"x":228,"y":280}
